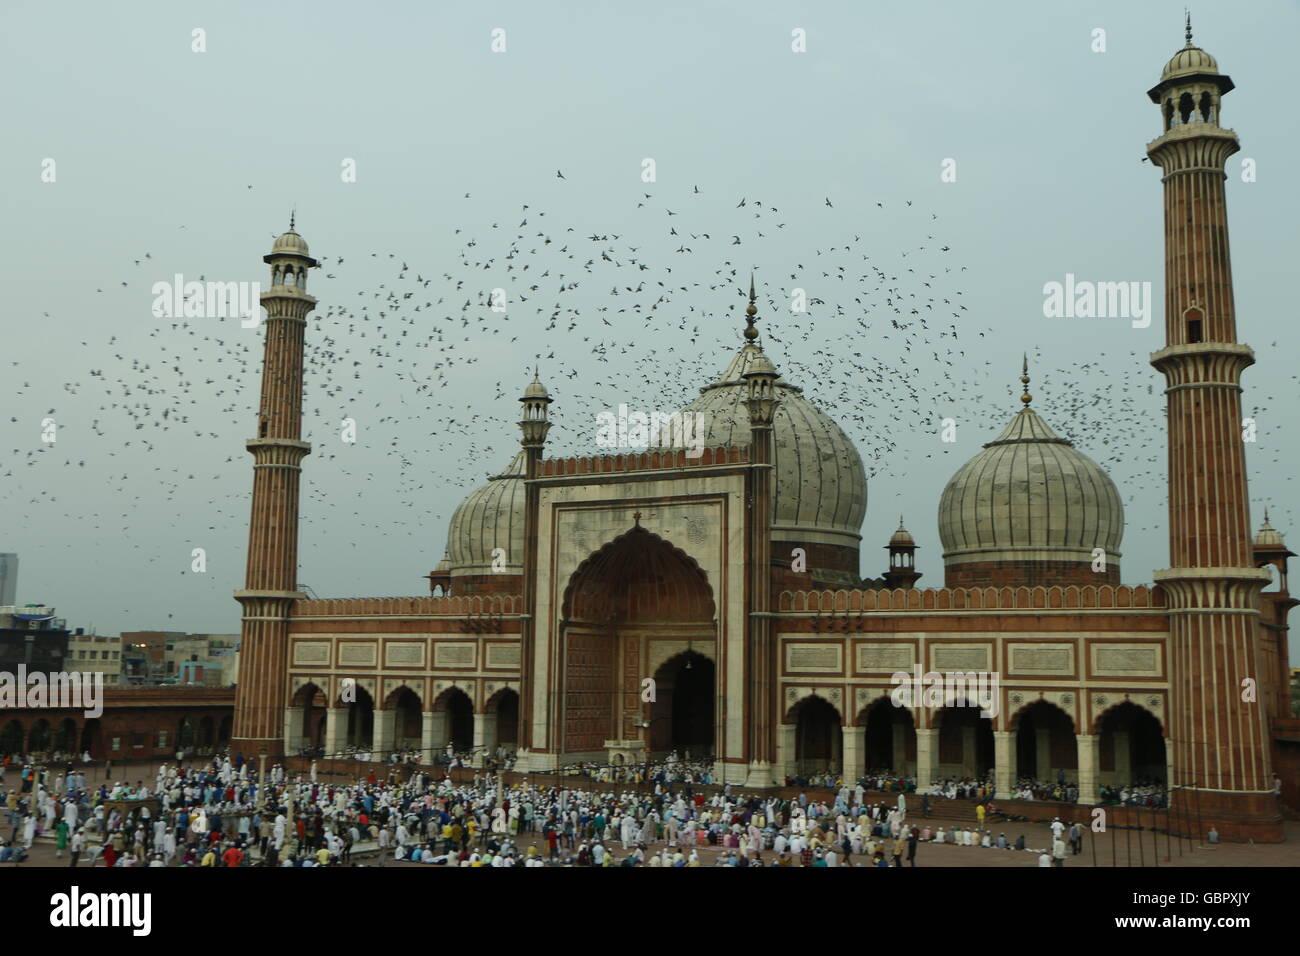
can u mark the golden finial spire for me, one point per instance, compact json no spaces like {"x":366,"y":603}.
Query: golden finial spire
{"x":751,"y":310}
{"x":1024,"y":380}
{"x":1189,"y":25}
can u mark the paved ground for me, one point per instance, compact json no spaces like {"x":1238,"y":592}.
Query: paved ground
{"x":1113,"y":848}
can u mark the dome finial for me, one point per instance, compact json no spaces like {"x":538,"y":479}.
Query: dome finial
{"x":1024,"y":380}
{"x":293,"y":214}
{"x":751,"y":310}
{"x":1189,"y":25}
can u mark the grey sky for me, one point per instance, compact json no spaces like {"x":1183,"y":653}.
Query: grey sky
{"x":156,"y":148}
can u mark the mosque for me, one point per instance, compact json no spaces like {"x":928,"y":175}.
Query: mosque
{"x":731,"y":580}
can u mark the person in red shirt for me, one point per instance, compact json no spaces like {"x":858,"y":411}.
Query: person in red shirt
{"x":233,"y":856}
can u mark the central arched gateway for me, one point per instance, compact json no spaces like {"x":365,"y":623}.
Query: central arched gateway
{"x":682,"y":714}
{"x":638,"y":608}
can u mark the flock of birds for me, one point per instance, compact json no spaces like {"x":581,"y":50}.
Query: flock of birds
{"x":643,"y":314}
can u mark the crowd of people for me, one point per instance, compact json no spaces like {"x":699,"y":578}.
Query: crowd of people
{"x":671,"y":770}
{"x":216,"y":814}
{"x":668,"y":813}
{"x":1061,"y":791}
{"x":963,"y":788}
{"x":1142,"y":794}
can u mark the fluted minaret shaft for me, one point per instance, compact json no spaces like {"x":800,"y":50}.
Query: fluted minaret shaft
{"x":1218,"y":732}
{"x":271,"y":578}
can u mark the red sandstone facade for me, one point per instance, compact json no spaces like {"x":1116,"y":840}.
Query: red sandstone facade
{"x":655,"y":565}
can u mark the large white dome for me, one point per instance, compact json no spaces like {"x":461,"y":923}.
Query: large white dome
{"x":491,"y":517}
{"x":1030,"y":496}
{"x":821,"y":486}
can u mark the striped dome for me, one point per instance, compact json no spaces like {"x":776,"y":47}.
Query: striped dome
{"x":1189,"y":61}
{"x":1030,"y":496}
{"x":491,"y":517}
{"x":821,"y":486}
{"x":290,"y":243}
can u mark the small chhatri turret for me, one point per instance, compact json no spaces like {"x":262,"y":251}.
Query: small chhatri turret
{"x":902,"y":571}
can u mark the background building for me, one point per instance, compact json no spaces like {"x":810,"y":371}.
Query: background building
{"x":33,"y":636}
{"x":8,"y":579}
{"x":88,"y":653}
{"x":156,"y":657}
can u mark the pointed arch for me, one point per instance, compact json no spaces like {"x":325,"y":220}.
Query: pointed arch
{"x":639,"y":576}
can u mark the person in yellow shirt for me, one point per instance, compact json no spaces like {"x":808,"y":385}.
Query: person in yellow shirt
{"x":323,"y":856}
{"x":209,"y":858}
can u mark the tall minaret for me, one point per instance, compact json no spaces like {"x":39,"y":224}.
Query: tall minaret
{"x":1219,"y":741}
{"x":271,"y":581}
{"x":534,"y":423}
{"x":761,"y":716}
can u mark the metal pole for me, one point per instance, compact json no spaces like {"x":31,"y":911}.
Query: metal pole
{"x":1142,"y":853}
{"x":1173,"y":822}
{"x":1200,"y":829}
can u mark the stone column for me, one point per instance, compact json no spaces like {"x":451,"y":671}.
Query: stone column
{"x":1004,"y":764}
{"x":1123,"y":764}
{"x":1043,"y":753}
{"x":336,"y":729}
{"x":385,"y":736}
{"x":438,"y":729}
{"x":853,"y":744}
{"x":293,"y":737}
{"x":485,"y":736}
{"x":786,"y":757}
{"x":428,"y":747}
{"x":1089,"y":754}
{"x":927,"y":746}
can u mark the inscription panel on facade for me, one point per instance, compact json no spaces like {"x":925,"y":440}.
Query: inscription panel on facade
{"x":1125,"y":660}
{"x":361,"y":655}
{"x":946,"y":657}
{"x":311,"y":652}
{"x":404,"y":654}
{"x":453,"y":654}
{"x":886,"y":657}
{"x":503,"y":655}
{"x":814,"y":658}
{"x":1042,"y":659}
